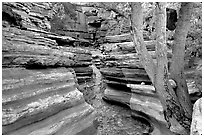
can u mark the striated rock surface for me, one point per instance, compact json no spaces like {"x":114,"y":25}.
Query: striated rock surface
{"x":63,"y":109}
{"x":36,"y":49}
{"x":141,"y":98}
{"x":44,"y":101}
{"x":144,"y":99}
{"x":30,"y":49}
{"x":196,"y":124}
{"x":120,"y":63}
{"x":124,"y":75}
{"x":128,"y":83}
{"x":30,"y":14}
{"x":44,"y":76}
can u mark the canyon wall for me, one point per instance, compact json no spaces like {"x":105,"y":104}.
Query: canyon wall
{"x":44,"y":75}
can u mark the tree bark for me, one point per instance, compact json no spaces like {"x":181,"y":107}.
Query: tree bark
{"x":177,"y":67}
{"x":176,"y":116}
{"x":137,"y":35}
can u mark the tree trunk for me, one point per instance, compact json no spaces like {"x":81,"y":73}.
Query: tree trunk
{"x":174,"y":113}
{"x":177,"y":67}
{"x":137,"y":35}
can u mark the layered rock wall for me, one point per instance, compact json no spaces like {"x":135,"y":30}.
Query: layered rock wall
{"x":30,"y":14}
{"x":44,"y":101}
{"x":127,"y":81}
{"x":44,"y":76}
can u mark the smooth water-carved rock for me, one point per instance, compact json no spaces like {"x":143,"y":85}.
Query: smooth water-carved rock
{"x":33,"y":50}
{"x":41,"y":93}
{"x":44,"y":101}
{"x":32,"y":45}
{"x":138,"y":97}
{"x":143,"y":102}
{"x":128,"y":83}
{"x":196,"y":124}
{"x":146,"y":101}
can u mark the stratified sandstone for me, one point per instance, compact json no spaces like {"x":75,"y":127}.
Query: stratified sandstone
{"x":128,"y":83}
{"x":44,"y":101}
{"x":25,"y":108}
{"x":43,"y":75}
{"x":31,"y":15}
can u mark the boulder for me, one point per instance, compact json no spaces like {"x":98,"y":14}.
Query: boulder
{"x":196,"y":124}
{"x":43,"y":102}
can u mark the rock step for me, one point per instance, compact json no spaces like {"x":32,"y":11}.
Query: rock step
{"x":117,"y":95}
{"x":127,"y":80}
{"x":128,"y":47}
{"x":114,"y":71}
{"x":43,"y":102}
{"x":144,"y":89}
{"x":141,"y":101}
{"x":82,"y":79}
{"x":118,"y":38}
{"x":83,"y":70}
{"x":125,"y":75}
{"x":135,"y":56}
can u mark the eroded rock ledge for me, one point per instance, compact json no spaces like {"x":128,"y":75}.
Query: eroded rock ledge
{"x":128,"y":83}
{"x":44,"y":75}
{"x":44,"y":101}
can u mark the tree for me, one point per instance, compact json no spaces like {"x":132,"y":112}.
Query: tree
{"x":172,"y":90}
